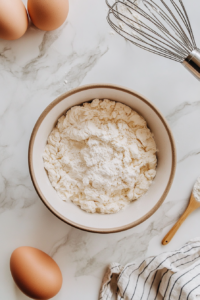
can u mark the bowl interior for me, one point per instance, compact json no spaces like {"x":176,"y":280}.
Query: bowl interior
{"x":137,"y":211}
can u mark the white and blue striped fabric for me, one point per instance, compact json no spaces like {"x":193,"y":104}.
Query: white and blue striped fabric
{"x":171,"y":275}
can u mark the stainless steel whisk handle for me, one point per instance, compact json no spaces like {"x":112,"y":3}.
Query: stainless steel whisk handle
{"x":192,"y":62}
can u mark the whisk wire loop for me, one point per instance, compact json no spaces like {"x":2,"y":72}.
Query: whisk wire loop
{"x":154,"y":28}
{"x":177,"y":29}
{"x":150,"y":37}
{"x":184,"y":20}
{"x":167,"y":34}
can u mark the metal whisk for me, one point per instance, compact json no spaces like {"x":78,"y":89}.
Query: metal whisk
{"x":161,"y":29}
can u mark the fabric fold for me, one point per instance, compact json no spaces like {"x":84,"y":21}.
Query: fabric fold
{"x":173,"y":275}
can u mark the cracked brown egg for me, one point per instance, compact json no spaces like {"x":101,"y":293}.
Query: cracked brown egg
{"x":35,"y":273}
{"x":48,"y":14}
{"x":13,"y":19}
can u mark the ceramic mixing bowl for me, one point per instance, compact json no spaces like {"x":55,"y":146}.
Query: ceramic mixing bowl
{"x":138,"y":211}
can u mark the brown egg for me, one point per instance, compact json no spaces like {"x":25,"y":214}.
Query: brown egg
{"x":48,"y":14}
{"x":35,"y":273}
{"x":13,"y":19}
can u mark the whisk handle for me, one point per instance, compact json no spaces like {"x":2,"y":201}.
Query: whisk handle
{"x":192,"y":62}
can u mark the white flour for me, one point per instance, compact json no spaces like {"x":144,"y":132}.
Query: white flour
{"x":196,"y":190}
{"x":101,"y":156}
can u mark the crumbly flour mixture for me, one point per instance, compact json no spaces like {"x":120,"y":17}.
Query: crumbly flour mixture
{"x":101,"y":156}
{"x":196,"y":190}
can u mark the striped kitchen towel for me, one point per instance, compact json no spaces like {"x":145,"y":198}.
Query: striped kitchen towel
{"x":171,"y":275}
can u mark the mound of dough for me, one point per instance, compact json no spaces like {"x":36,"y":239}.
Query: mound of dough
{"x":101,"y":156}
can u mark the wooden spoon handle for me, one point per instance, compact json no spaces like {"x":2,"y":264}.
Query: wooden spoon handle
{"x":174,"y":229}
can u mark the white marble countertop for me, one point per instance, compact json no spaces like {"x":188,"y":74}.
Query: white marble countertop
{"x":34,"y":71}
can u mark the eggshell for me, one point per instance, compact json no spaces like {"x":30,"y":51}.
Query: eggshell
{"x":48,"y":14}
{"x":35,"y":273}
{"x":13,"y":19}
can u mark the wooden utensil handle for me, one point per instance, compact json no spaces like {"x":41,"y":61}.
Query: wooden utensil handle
{"x":174,"y":229}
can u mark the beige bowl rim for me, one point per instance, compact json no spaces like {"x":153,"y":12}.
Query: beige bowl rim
{"x":33,"y":177}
